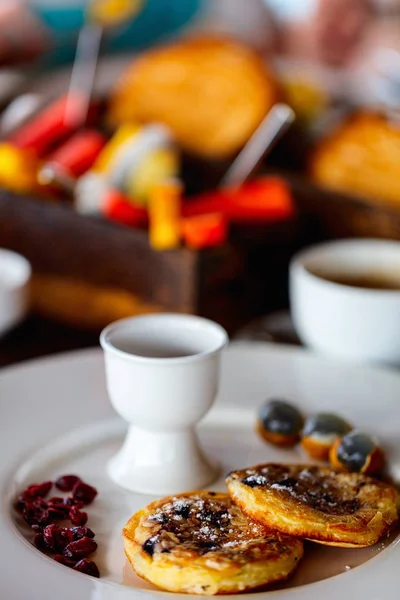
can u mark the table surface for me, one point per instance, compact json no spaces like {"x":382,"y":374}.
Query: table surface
{"x":37,"y":337}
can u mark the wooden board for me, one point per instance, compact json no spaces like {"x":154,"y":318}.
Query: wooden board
{"x":75,"y":258}
{"x":337,"y":214}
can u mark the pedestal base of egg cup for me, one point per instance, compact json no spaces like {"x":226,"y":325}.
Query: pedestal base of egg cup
{"x":162,"y":377}
{"x":161,"y":463}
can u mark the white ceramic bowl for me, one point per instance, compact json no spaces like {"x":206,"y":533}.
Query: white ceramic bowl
{"x":15,"y":274}
{"x":343,"y":321}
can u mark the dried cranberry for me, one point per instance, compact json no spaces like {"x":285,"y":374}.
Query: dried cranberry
{"x":58,"y":509}
{"x":66,"y":482}
{"x":68,"y":502}
{"x":63,"y":504}
{"x":60,"y":558}
{"x":56,"y":515}
{"x":57,"y":538}
{"x":80,"y":549}
{"x":77,"y":516}
{"x":80,"y":532}
{"x":21,"y":502}
{"x":88,"y":567}
{"x":84,"y":492}
{"x":55,"y":500}
{"x":72,"y":502}
{"x":36,"y":513}
{"x":36,"y":490}
{"x":39,"y":541}
{"x":72,"y":545}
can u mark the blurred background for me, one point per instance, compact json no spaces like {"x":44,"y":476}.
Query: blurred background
{"x":119,"y":120}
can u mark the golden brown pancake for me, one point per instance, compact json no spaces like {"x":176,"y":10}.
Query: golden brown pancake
{"x":318,"y":503}
{"x":201,"y":543}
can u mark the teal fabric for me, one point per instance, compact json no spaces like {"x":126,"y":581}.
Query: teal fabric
{"x":157,"y":20}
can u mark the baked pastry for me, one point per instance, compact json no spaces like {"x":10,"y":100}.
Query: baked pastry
{"x":357,"y":452}
{"x":211,"y":92}
{"x":201,"y":543}
{"x":83,"y":304}
{"x":361,"y":156}
{"x":320,"y":433}
{"x":279,"y":423}
{"x":349,"y":510}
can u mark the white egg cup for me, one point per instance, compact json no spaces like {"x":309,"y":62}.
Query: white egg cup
{"x":162,"y":376}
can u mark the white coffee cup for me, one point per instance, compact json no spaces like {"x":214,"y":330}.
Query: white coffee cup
{"x":345,"y":321}
{"x":15,"y":275}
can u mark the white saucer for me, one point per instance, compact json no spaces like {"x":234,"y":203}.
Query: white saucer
{"x":56,"y":418}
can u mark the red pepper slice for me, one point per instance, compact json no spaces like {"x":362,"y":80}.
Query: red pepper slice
{"x":203,"y":231}
{"x":78,"y":153}
{"x":47,"y":128}
{"x":264,"y":199}
{"x":118,"y":208}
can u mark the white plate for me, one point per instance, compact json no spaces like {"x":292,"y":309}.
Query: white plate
{"x":55,"y":418}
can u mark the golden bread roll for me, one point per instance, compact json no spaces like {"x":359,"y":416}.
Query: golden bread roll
{"x":81,"y":304}
{"x":212,"y":93}
{"x":362,"y":157}
{"x":201,"y":543}
{"x":350,"y":510}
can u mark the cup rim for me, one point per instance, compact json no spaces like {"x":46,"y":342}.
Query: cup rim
{"x":109,"y":347}
{"x":298,"y":264}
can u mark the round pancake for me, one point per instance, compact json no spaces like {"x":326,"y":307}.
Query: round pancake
{"x":339,"y":509}
{"x":212,"y":93}
{"x":201,"y":543}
